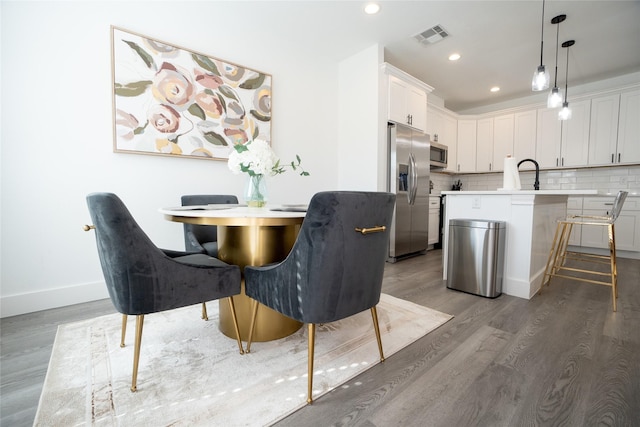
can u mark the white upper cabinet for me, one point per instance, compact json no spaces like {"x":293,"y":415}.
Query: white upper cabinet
{"x":615,"y":129}
{"x":466,"y":153}
{"x":563,"y":143}
{"x":484,"y":145}
{"x":449,"y":137}
{"x":629,"y":128}
{"x":407,"y":104}
{"x":434,"y":122}
{"x":548,"y":138}
{"x":575,"y":135}
{"x":524,"y":137}
{"x":503,"y":131}
{"x":443,"y":128}
{"x":603,"y":133}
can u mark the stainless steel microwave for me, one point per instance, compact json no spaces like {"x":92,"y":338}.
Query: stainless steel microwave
{"x":439,"y":155}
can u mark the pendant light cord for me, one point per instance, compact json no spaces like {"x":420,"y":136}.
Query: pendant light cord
{"x":542,"y":34}
{"x":555,"y":81}
{"x":566,"y":78}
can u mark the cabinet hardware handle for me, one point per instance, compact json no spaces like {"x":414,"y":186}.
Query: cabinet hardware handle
{"x":563,"y":161}
{"x":557,"y":162}
{"x":618,"y":157}
{"x":608,"y":204}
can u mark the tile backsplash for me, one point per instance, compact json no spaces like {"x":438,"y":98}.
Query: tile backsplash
{"x":607,"y":180}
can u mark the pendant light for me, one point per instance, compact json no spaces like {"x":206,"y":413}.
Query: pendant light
{"x":541,"y":77}
{"x":554,"y":99}
{"x":565,"y":112}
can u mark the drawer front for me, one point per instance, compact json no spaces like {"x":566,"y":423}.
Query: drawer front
{"x":606,"y":204}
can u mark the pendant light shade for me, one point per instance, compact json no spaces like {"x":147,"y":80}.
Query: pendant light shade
{"x":541,"y":77}
{"x":554,"y":100}
{"x":565,"y":112}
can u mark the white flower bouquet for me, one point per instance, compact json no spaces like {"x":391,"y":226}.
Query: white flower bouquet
{"x":257,"y":158}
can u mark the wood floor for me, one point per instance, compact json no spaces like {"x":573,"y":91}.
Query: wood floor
{"x":562,"y":358}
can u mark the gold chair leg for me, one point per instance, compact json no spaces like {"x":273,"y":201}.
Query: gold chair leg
{"x":235,"y":323}
{"x":614,"y":267}
{"x":124,"y":330}
{"x":566,"y":235}
{"x":552,"y":257}
{"x":312,"y":342}
{"x":252,"y":325}
{"x":204,"y":312}
{"x":376,"y":326}
{"x":136,"y":351}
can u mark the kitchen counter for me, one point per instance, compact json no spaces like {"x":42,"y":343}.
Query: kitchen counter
{"x":528,"y":192}
{"x":530,"y":218}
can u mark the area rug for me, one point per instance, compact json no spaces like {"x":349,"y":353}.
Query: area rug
{"x":192,"y":375}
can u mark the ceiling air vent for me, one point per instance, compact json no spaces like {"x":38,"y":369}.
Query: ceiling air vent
{"x":432,"y":35}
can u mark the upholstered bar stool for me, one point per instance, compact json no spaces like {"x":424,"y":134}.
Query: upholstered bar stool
{"x":558,"y":255}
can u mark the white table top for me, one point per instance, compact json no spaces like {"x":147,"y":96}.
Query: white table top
{"x":236,"y":215}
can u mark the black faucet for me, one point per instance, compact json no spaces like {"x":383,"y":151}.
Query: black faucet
{"x":536,"y":183}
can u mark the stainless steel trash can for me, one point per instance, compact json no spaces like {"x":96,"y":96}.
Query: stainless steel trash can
{"x":476,"y":256}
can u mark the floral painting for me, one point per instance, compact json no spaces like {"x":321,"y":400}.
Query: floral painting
{"x":171,"y":101}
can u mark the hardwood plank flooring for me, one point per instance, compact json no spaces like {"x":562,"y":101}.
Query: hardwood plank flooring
{"x":562,"y":358}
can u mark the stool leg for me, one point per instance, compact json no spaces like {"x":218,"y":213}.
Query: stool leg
{"x":614,"y":267}
{"x":552,"y":257}
{"x":566,"y":234}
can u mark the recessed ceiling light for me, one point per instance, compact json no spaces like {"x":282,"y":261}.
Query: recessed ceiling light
{"x":454,"y":57}
{"x":495,"y":89}
{"x":372,"y":8}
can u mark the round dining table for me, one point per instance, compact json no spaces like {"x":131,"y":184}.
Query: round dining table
{"x":249,"y":236}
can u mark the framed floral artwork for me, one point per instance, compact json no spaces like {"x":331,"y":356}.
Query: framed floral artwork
{"x":168,"y":100}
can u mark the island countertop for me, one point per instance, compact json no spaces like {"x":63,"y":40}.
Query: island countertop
{"x":524,"y":192}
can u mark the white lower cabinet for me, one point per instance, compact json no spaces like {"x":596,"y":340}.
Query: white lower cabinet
{"x":627,"y":226}
{"x":574,"y":207}
{"x":434,"y":220}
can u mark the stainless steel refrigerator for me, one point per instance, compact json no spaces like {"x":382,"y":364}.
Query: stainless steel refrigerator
{"x":409,"y":168}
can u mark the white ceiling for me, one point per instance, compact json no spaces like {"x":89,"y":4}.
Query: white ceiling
{"x":499,"y":40}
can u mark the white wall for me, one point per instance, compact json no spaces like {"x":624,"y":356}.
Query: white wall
{"x":56,"y":137}
{"x":362,"y":153}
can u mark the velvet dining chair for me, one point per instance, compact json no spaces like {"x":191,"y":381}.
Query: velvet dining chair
{"x":334,"y":269}
{"x":204,"y":238}
{"x":143,"y":279}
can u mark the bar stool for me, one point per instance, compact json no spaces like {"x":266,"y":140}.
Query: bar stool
{"x":558,"y":255}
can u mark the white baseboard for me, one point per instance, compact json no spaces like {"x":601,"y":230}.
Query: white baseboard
{"x":30,"y":302}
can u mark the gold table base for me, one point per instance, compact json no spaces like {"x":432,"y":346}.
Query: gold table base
{"x":255,"y":245}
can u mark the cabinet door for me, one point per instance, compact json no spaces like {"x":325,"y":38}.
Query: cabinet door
{"x":466,"y":146}
{"x":626,"y":228}
{"x":434,"y":220}
{"x":502,"y":140}
{"x":575,"y":135}
{"x":603,"y":130}
{"x":524,"y":142}
{"x":449,"y":138}
{"x":484,"y":145}
{"x":574,"y":207}
{"x":434,"y":123}
{"x":417,"y":108}
{"x":548,"y":138}
{"x":398,"y":101}
{"x":629,"y":128}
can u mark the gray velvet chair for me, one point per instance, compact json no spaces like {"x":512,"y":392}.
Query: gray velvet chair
{"x":204,"y":238}
{"x":143,"y":279}
{"x":335,"y":267}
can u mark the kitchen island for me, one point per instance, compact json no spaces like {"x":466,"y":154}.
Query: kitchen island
{"x":530,"y":218}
